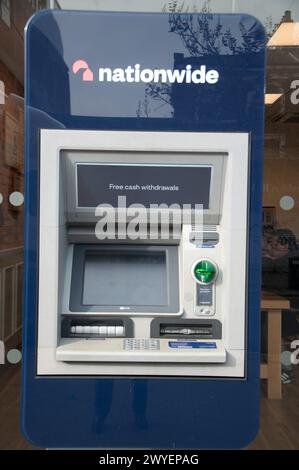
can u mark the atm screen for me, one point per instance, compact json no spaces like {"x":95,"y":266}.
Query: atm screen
{"x":125,"y":278}
{"x":143,"y":184}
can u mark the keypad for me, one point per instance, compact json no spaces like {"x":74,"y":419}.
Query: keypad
{"x":132,"y":344}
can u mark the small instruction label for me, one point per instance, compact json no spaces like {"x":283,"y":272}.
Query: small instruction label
{"x":192,"y":345}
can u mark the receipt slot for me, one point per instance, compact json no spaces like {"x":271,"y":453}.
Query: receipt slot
{"x":141,"y":312}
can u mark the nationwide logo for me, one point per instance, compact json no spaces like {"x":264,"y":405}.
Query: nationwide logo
{"x":136,"y":74}
{"x":87,"y":75}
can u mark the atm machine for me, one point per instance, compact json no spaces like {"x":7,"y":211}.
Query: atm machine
{"x":154,"y":299}
{"x":142,"y":259}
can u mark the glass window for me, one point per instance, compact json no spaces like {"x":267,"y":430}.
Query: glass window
{"x":6,"y":12}
{"x":280,"y":231}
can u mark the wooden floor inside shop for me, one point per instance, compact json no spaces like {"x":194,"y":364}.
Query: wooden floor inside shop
{"x":279,"y":418}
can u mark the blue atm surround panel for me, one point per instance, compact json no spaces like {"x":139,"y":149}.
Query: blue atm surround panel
{"x":70,"y":58}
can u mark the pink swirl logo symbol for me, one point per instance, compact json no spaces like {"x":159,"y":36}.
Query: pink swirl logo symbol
{"x":80,"y":64}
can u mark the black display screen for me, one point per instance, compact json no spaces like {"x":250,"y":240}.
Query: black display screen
{"x":143,"y":184}
{"x":125,"y":278}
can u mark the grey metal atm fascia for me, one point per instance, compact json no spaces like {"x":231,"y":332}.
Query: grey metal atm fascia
{"x":56,"y":254}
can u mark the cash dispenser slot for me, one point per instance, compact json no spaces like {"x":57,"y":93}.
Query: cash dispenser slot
{"x":193,"y":329}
